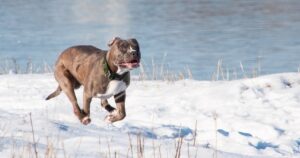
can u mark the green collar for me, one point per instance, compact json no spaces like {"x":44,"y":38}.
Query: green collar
{"x":109,"y":74}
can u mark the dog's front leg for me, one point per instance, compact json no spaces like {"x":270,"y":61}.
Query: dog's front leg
{"x":86,"y":109}
{"x":119,"y":113}
{"x":106,"y":105}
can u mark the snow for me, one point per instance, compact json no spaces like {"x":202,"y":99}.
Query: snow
{"x":254,"y":118}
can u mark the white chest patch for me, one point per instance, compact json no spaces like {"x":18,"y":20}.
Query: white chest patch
{"x":114,"y":87}
{"x":121,"y":71}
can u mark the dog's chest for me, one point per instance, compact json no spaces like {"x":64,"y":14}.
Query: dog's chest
{"x":114,"y":87}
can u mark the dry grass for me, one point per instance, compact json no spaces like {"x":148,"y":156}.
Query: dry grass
{"x":223,"y":73}
{"x":33,"y":137}
{"x":162,"y":72}
{"x":149,"y":72}
{"x":12,"y":66}
{"x":156,"y":70}
{"x":215,"y":117}
{"x":28,"y":151}
{"x":136,"y":147}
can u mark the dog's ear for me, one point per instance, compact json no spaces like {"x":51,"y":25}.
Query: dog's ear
{"x":134,"y":41}
{"x":113,"y":41}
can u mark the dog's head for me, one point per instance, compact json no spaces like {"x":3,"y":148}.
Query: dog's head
{"x":125,"y":54}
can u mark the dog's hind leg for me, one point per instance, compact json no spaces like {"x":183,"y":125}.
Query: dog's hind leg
{"x":86,"y":108}
{"x":65,"y":81}
{"x":55,"y":93}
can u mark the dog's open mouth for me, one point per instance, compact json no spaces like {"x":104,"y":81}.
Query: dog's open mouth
{"x":130,"y":65}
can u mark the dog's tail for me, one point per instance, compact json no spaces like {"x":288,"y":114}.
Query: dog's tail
{"x":55,"y":93}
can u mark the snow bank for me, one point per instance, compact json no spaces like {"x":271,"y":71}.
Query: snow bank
{"x":255,"y":117}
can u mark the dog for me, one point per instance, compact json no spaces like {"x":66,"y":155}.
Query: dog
{"x":102,"y":73}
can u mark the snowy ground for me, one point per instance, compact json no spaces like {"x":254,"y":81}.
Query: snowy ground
{"x":244,"y":118}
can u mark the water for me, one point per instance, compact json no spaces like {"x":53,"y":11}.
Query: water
{"x":174,"y":33}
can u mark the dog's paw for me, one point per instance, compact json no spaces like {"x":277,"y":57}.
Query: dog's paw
{"x":86,"y":120}
{"x":114,"y":116}
{"x":109,"y":119}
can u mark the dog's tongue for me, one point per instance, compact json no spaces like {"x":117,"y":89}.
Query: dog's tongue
{"x":130,"y":65}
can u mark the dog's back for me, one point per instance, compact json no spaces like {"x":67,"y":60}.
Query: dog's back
{"x":76,"y":63}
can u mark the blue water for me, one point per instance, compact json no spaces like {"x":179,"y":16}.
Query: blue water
{"x":173,"y":33}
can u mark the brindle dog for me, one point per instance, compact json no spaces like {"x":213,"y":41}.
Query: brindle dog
{"x":103,"y":74}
